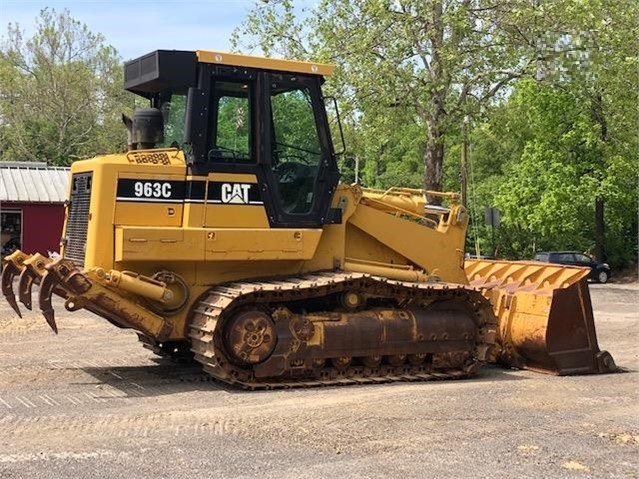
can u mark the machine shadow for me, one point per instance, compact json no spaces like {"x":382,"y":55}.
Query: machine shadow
{"x":167,"y":377}
{"x":496,"y":372}
{"x":159,"y":379}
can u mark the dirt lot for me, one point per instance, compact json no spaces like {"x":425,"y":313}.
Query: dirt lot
{"x":92,"y":403}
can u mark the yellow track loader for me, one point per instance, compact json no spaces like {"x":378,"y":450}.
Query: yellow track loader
{"x":224,"y":235}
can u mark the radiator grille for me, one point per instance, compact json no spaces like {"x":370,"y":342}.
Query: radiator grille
{"x":78,"y":219}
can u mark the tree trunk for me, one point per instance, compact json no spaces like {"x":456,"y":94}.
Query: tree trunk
{"x":436,"y":113}
{"x":434,"y":160}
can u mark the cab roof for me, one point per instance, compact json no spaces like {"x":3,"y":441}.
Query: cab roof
{"x":236,"y":59}
{"x":176,"y":70}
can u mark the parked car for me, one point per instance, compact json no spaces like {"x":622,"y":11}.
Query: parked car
{"x":599,"y":272}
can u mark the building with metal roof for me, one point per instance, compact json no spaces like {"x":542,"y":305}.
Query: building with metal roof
{"x":32,"y":199}
{"x":33,"y":182}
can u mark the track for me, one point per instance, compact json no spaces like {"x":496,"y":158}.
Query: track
{"x":215,"y":309}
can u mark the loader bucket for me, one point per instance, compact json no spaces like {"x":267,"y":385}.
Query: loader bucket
{"x":545,"y":316}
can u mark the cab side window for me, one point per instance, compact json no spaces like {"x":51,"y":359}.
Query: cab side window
{"x":231,"y":132}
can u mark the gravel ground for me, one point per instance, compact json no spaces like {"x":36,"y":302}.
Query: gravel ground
{"x":92,"y":403}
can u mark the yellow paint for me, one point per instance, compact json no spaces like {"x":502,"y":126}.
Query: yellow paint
{"x":233,"y":177}
{"x":236,"y":216}
{"x":270,"y":244}
{"x":208,"y":244}
{"x":105,"y":211}
{"x":402,"y":241}
{"x":222,"y":58}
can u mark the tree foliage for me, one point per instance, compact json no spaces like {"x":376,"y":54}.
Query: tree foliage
{"x":566,"y":146}
{"x":553,"y":163}
{"x":60,"y":92}
{"x":423,"y":65}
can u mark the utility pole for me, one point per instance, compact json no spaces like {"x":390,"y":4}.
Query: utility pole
{"x":463,"y":167}
{"x":464,"y":162}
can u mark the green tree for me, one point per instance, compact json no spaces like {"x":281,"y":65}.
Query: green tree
{"x":610,"y":91}
{"x":549,"y":193}
{"x":60,"y":92}
{"x":559,"y":156}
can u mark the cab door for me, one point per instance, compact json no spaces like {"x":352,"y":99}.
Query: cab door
{"x":301,"y":170}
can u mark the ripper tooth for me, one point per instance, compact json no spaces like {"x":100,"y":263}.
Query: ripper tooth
{"x":62,"y":277}
{"x":47,"y":285}
{"x":27,"y":278}
{"x":13,"y":265}
{"x":9,"y":272}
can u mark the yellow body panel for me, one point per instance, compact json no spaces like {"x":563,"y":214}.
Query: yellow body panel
{"x":108,"y":212}
{"x":266,"y":244}
{"x":154,"y":215}
{"x":207,"y":244}
{"x":437,"y":252}
{"x":164,"y":214}
{"x":234,"y":216}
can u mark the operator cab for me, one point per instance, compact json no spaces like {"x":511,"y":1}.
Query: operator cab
{"x":245,"y":115}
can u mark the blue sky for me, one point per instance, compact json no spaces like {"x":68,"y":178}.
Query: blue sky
{"x":137,"y":27}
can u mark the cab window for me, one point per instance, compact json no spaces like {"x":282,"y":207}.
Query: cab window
{"x":231,"y":133}
{"x":173,"y":108}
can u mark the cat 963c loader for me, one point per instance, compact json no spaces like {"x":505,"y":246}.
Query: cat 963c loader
{"x":224,"y":235}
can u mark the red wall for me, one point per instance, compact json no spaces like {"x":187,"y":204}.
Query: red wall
{"x":41,"y":226}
